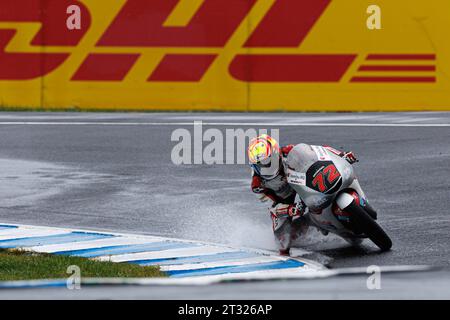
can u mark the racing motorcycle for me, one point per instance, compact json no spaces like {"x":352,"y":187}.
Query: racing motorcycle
{"x":327,"y":184}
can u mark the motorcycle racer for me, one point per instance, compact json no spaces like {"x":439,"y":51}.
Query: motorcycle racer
{"x":268,"y":162}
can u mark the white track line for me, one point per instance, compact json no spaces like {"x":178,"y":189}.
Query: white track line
{"x":100,"y":243}
{"x":235,"y":124}
{"x":26,"y":233}
{"x":227,"y":263}
{"x":171,"y":253}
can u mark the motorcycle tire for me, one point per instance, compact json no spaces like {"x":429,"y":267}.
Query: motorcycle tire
{"x":364,"y":223}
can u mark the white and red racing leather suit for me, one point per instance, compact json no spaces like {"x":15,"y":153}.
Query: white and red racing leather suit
{"x":288,"y":220}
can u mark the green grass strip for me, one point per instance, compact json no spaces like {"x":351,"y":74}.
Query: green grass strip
{"x":23,"y":265}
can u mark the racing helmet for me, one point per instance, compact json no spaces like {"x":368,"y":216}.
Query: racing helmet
{"x":264,"y":156}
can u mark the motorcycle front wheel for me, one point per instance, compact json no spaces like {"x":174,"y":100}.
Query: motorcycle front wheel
{"x":364,"y":223}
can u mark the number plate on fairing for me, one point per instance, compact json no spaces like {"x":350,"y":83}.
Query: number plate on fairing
{"x":323,"y":176}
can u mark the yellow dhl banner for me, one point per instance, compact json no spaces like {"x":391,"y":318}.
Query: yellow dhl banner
{"x":236,"y":55}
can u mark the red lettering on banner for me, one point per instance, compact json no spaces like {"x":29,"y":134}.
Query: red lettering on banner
{"x":25,"y":66}
{"x":52,"y":16}
{"x":290,"y":68}
{"x":182,"y":67}
{"x":287,"y":23}
{"x":140,"y":23}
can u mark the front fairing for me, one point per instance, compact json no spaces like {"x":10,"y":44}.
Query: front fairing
{"x":301,"y":158}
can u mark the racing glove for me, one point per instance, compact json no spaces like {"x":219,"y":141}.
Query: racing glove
{"x":350,"y":157}
{"x":297,"y":209}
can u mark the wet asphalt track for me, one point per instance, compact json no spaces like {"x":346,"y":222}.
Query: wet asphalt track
{"x":114,"y":172}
